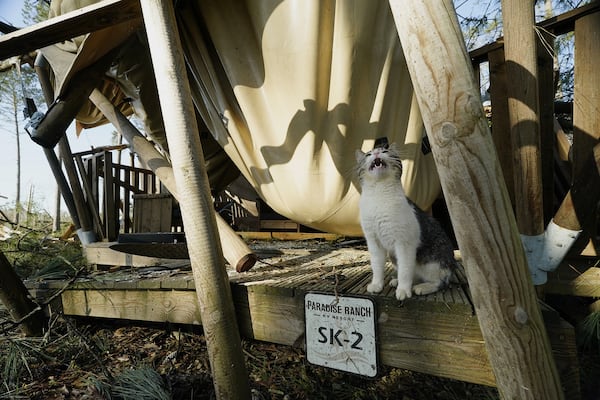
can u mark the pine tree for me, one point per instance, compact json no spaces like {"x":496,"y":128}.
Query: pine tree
{"x":17,"y":82}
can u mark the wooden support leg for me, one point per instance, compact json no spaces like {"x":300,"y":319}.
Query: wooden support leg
{"x":545,"y":53}
{"x":14,"y":295}
{"x":477,"y":199}
{"x":228,"y":369}
{"x":520,"y":48}
{"x":500,"y":124}
{"x":586,"y":120}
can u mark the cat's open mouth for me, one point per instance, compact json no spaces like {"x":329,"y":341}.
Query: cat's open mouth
{"x":377,"y":163}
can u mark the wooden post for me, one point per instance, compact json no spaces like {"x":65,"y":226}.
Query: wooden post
{"x":500,"y":124}
{"x":578,"y":210}
{"x":14,"y":295}
{"x":87,"y":227}
{"x":477,"y":199}
{"x":545,"y":62}
{"x":520,"y":49}
{"x":111,"y":229}
{"x":235,"y":250}
{"x":230,"y":377}
{"x":586,"y":114}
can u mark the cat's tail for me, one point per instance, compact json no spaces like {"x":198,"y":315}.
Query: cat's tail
{"x":447,"y":270}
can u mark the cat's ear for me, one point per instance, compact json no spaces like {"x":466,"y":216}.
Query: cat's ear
{"x":393,"y":147}
{"x":359,"y":155}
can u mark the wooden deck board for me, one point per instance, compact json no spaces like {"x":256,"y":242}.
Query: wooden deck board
{"x":436,"y":334}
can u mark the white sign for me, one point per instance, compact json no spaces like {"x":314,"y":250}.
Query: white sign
{"x":340,"y":333}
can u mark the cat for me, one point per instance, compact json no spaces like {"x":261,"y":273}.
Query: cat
{"x":396,"y":227}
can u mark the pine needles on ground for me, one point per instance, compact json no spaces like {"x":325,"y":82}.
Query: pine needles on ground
{"x":589,"y":333}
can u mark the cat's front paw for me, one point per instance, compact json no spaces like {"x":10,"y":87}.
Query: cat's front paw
{"x":402,"y":294}
{"x":375,"y":287}
{"x":394,"y":282}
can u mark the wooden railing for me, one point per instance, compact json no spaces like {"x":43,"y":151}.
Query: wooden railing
{"x":583,"y":22}
{"x":109,"y":187}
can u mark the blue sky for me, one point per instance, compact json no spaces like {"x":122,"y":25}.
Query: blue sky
{"x":10,"y":11}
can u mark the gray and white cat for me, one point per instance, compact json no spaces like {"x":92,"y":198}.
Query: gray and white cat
{"x":394,"y":226}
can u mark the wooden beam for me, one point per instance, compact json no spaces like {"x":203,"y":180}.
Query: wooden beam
{"x":111,"y":227}
{"x":500,"y":125}
{"x":230,"y":377}
{"x":545,"y":62}
{"x":425,"y":336}
{"x":523,"y":112}
{"x":482,"y":216}
{"x":480,"y":54}
{"x":288,"y":236}
{"x":101,"y":255}
{"x":90,"y":199}
{"x":78,"y":22}
{"x":178,"y":307}
{"x":430,"y":334}
{"x":564,"y":23}
{"x":558,"y":25}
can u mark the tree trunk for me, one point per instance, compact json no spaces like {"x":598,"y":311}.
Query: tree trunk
{"x":15,"y":297}
{"x":229,"y":373}
{"x":477,"y":199}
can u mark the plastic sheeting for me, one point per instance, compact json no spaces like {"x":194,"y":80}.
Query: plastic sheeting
{"x":71,"y":56}
{"x":290,"y":89}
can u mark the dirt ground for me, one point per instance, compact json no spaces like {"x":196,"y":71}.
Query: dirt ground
{"x":79,"y":360}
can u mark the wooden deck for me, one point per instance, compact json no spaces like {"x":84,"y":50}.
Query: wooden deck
{"x":437,"y":334}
